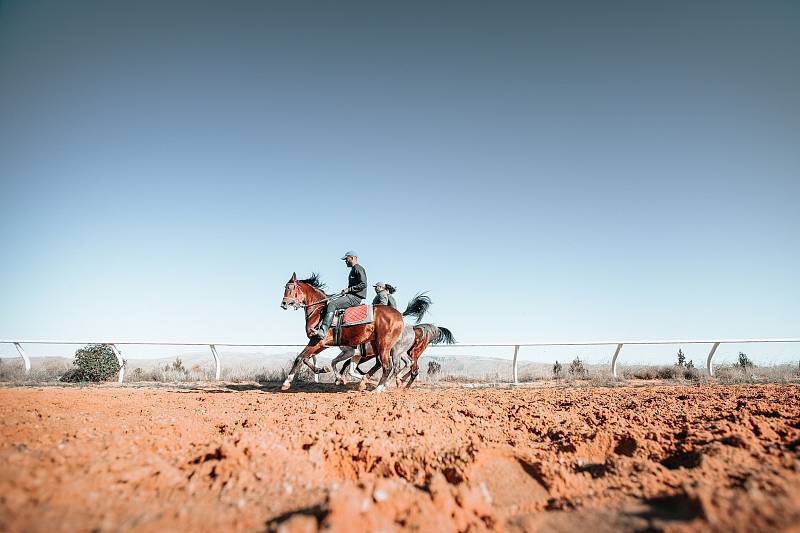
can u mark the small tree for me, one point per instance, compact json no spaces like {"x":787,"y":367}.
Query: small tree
{"x":744,"y":361}
{"x":434,"y":368}
{"x":576,"y":368}
{"x":690,"y":364}
{"x":95,"y":362}
{"x":557,"y":370}
{"x":681,"y":359}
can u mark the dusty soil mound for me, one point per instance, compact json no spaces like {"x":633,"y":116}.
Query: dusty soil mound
{"x":252,"y":459}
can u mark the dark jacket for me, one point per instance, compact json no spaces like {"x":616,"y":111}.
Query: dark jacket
{"x":357,"y":281}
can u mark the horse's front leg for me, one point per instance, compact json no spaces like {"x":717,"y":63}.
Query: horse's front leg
{"x":308,"y":351}
{"x":311,"y":363}
{"x":358,"y":355}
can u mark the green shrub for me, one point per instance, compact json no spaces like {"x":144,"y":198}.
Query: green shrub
{"x":95,"y":362}
{"x":681,"y":359}
{"x":744,"y":361}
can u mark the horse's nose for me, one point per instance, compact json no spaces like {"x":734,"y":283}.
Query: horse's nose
{"x":283,"y":305}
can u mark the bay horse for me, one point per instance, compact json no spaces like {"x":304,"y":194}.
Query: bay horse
{"x":417,"y":307}
{"x":409,"y":347}
{"x":382,"y":333}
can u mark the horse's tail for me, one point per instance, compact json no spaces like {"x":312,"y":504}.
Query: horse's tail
{"x":435,"y":334}
{"x":418,"y":306}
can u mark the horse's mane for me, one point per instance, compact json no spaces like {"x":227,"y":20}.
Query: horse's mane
{"x":314,"y":281}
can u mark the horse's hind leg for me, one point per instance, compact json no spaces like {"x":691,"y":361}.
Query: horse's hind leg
{"x":400,"y":361}
{"x":414,"y":374}
{"x":384,"y":352}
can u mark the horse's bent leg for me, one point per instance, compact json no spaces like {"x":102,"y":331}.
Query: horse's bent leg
{"x":307,"y":352}
{"x":315,"y":370}
{"x":406,"y":360}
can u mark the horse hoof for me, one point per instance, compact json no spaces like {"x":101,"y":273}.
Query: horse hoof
{"x":286,"y":385}
{"x":379,"y":389}
{"x":362,"y":385}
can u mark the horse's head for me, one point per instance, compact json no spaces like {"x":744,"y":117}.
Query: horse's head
{"x":293,"y":295}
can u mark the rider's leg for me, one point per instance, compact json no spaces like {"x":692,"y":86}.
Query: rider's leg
{"x":340,"y":302}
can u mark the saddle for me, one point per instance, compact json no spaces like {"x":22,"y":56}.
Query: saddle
{"x":352,"y":316}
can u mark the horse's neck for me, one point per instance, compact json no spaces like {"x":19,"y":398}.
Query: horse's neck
{"x":313,"y":296}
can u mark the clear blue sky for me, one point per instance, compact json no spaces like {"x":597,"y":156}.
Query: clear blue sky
{"x":578,"y":170}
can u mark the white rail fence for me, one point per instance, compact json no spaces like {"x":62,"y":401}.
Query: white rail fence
{"x":616,"y":345}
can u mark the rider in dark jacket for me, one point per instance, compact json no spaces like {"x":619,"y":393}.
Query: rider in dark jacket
{"x":355,"y":292}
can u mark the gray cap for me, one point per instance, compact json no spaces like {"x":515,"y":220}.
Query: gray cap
{"x":350,"y":252}
{"x":382,"y":284}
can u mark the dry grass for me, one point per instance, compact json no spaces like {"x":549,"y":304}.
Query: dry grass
{"x":786,"y":373}
{"x":242,"y":374}
{"x":47,"y":371}
{"x":13,"y":371}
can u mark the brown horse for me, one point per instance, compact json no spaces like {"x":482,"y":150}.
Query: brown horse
{"x":412,"y":343}
{"x":382,"y":333}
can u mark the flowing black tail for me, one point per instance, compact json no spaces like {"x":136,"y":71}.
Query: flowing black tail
{"x":418,"y":306}
{"x":436,"y":334}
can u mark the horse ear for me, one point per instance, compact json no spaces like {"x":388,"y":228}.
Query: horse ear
{"x":294,"y":276}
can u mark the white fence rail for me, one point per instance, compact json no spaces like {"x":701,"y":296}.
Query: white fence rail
{"x":617,"y":346}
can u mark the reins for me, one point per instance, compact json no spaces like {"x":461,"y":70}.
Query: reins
{"x":320,"y":302}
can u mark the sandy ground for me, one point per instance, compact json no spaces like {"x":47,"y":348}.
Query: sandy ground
{"x":249,"y":458}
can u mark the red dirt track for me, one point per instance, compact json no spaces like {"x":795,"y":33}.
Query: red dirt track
{"x":249,"y":458}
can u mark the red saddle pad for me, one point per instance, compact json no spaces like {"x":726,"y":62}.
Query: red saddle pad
{"x":354,"y":314}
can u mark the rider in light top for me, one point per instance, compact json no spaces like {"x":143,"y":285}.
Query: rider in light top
{"x":383,"y":295}
{"x":355,"y":292}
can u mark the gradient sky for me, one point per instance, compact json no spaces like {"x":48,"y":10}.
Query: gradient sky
{"x":564,"y":170}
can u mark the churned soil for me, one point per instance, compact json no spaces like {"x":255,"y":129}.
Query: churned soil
{"x":250,"y":458}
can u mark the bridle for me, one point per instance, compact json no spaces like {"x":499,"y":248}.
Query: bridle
{"x":295,"y":298}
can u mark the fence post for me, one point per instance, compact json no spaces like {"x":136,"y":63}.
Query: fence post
{"x":514,"y":370}
{"x":711,"y":356}
{"x":24,"y":356}
{"x":121,"y":363}
{"x":216,"y":361}
{"x":614,"y":360}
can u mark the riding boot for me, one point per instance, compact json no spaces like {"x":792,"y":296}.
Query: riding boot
{"x":324,"y":324}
